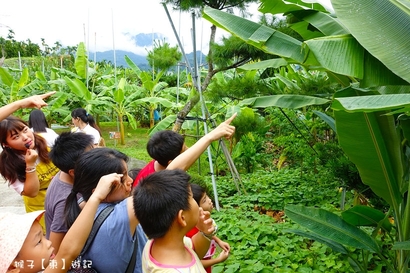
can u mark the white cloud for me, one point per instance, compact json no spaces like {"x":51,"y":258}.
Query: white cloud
{"x":100,"y":22}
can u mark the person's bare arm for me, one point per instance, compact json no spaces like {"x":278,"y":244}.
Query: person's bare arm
{"x":36,"y":101}
{"x":205,"y":226}
{"x":77,"y":235}
{"x":221,"y":257}
{"x":187,"y":158}
{"x":56,"y":238}
{"x":31,"y":184}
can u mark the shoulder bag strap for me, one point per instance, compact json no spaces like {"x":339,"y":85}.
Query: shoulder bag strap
{"x":96,"y":226}
{"x":131,"y":264}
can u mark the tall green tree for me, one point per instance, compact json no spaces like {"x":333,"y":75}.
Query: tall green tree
{"x":198,"y":5}
{"x":163,"y":56}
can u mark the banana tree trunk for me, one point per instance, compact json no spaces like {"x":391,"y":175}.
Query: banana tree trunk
{"x":122,"y":131}
{"x":151,"y":117}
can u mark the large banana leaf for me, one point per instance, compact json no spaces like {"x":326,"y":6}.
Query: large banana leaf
{"x":81,"y":61}
{"x":24,"y":78}
{"x":366,"y":216}
{"x":274,"y":63}
{"x":326,"y":24}
{"x":372,"y":103}
{"x":288,"y":6}
{"x":371,"y":142}
{"x":382,"y":27}
{"x":329,"y":120}
{"x":331,"y":227}
{"x":314,"y":236}
{"x":78,"y":88}
{"x":283,"y":101}
{"x":332,"y":53}
{"x":262,"y":37}
{"x":6,"y":77}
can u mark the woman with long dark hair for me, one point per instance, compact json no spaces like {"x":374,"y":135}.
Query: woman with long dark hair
{"x":38,"y":124}
{"x":85,"y":123}
{"x":24,"y":162}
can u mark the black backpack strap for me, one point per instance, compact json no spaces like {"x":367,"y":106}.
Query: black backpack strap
{"x":131,"y":264}
{"x":96,"y":226}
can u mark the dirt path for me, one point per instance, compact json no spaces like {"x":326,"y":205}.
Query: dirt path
{"x":9,"y":199}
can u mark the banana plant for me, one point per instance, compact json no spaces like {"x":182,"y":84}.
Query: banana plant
{"x":151,"y":89}
{"x":365,"y":48}
{"x":123,"y":105}
{"x":13,"y":88}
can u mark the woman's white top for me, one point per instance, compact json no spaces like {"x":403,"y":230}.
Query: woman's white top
{"x":89,"y":130}
{"x":50,"y":136}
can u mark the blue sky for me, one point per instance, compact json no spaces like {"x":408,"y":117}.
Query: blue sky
{"x":99,"y":23}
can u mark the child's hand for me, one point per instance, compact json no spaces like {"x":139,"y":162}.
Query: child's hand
{"x":223,"y":255}
{"x":205,"y":222}
{"x":106,"y":184}
{"x":224,"y":129}
{"x":224,"y":245}
{"x":31,"y":157}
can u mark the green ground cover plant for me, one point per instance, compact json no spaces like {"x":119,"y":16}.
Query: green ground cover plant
{"x":256,"y":227}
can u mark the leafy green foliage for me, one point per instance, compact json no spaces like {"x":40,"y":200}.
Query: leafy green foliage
{"x":163,"y":56}
{"x":255,"y":228}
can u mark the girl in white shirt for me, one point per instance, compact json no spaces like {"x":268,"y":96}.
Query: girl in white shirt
{"x":84,"y":122}
{"x":38,"y":124}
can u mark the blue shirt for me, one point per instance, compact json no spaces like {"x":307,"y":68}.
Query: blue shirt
{"x":113,"y":244}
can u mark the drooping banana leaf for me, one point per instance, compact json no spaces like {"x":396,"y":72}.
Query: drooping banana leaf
{"x":291,"y":5}
{"x":371,"y":142}
{"x":262,"y":65}
{"x":329,"y":120}
{"x":323,"y":22}
{"x":330,"y":226}
{"x":283,"y":101}
{"x":262,"y":37}
{"x":314,"y":236}
{"x":342,"y":54}
{"x":366,"y":216}
{"x":371,"y":103}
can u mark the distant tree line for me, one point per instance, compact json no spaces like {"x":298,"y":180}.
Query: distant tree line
{"x":11,"y":48}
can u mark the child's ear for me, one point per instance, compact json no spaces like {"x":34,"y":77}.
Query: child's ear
{"x":181,"y":218}
{"x":71,"y":172}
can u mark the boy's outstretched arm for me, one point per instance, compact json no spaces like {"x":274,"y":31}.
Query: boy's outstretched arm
{"x":78,"y":233}
{"x":187,"y":158}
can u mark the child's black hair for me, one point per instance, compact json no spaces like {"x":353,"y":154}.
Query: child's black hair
{"x":158,"y":198}
{"x":67,"y":149}
{"x":164,"y":146}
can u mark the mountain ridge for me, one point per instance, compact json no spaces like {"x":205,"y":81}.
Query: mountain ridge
{"x":139,"y":60}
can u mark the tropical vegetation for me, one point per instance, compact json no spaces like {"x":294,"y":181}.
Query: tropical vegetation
{"x":322,"y":129}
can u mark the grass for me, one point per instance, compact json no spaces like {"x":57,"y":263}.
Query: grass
{"x":135,"y":140}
